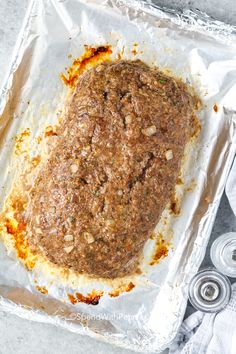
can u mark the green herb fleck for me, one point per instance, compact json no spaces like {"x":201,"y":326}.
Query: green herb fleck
{"x":72,"y":219}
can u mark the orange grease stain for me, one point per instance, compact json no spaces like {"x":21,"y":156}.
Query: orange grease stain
{"x":134,"y":50}
{"x":119,"y":57}
{"x":19,"y":141}
{"x":175,"y":206}
{"x":160,"y":252}
{"x":72,"y":299}
{"x":91,"y":299}
{"x":91,"y":58}
{"x":179,"y":181}
{"x":49,"y":131}
{"x":42,"y":289}
{"x":216,"y":108}
{"x":35,"y":161}
{"x":123,"y":288}
{"x":39,"y":139}
{"x":17,"y":230}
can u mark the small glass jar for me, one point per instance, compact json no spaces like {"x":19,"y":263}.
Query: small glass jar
{"x":223,"y":254}
{"x":209,"y":291}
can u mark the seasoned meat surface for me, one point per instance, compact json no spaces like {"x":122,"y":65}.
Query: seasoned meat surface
{"x":113,"y":170}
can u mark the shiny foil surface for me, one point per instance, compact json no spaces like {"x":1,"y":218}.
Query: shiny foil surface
{"x":144,"y":314}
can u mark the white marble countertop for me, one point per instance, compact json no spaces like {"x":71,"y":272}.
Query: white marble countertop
{"x":21,"y":336}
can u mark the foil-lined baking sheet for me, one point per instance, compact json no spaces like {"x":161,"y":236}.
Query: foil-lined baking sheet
{"x":190,"y":46}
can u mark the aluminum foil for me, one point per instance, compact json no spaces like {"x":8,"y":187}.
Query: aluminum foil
{"x":192,"y":46}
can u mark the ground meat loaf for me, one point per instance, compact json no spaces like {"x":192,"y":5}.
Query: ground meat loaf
{"x":114,"y":168}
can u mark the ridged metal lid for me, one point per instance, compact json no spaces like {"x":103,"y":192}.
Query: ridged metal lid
{"x":223,"y":254}
{"x":209,"y":291}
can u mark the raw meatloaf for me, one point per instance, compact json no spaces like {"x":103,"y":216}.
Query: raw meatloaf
{"x":113,"y":170}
